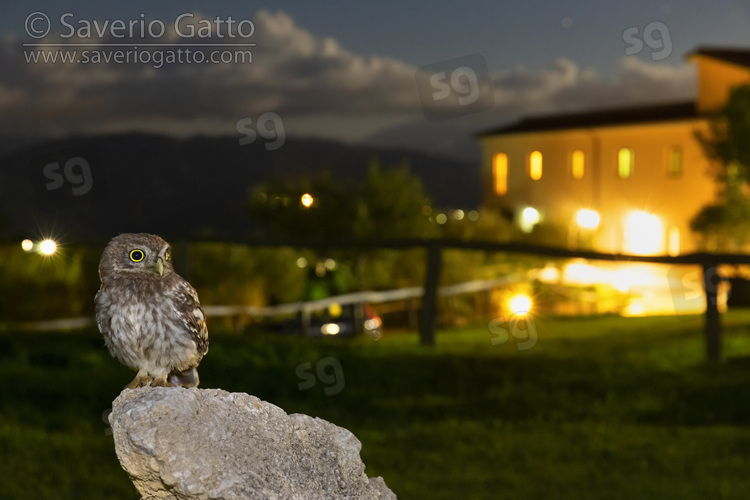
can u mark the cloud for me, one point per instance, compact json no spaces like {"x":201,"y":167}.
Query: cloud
{"x":567,"y":87}
{"x":296,"y":74}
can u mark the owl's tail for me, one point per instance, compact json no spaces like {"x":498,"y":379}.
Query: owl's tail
{"x":187,"y":378}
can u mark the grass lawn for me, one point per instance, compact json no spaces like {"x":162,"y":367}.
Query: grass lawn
{"x":600,"y":408}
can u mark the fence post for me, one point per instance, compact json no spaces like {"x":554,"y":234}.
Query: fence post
{"x":713,"y":324}
{"x":428,"y":321}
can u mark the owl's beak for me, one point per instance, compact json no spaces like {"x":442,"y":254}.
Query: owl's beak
{"x":159,"y":266}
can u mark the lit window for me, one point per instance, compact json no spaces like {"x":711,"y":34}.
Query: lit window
{"x":675,"y":161}
{"x":535,"y":165}
{"x":625,"y":163}
{"x":500,"y":173}
{"x":577,"y":164}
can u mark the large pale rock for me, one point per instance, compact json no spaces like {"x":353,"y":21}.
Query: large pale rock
{"x":211,"y":444}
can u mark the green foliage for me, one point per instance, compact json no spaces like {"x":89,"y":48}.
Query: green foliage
{"x":727,"y":141}
{"x":387,"y":203}
{"x":37,"y":287}
{"x":725,"y":225}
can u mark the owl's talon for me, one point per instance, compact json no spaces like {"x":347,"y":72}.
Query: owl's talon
{"x":161,"y":382}
{"x":140,"y":380}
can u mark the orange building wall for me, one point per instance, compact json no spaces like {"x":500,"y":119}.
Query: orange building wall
{"x":558,"y":196}
{"x":715,"y":81}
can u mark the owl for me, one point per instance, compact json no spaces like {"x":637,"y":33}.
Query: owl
{"x":149,"y":316}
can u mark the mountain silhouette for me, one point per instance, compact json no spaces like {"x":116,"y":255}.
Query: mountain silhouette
{"x":93,"y":187}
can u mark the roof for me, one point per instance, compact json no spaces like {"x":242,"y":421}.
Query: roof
{"x":740,"y":57}
{"x":599,"y":118}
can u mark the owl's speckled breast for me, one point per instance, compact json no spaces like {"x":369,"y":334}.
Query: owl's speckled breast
{"x":145,"y":331}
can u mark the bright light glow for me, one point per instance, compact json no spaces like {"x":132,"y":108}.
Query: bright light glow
{"x":372,"y":323}
{"x":441,"y":218}
{"x":535,"y":165}
{"x":330,"y":264}
{"x":335,"y":310}
{"x":623,"y":280}
{"x":529,"y":217}
{"x":458,"y":214}
{"x":27,"y":245}
{"x":47,"y":247}
{"x":643,"y":234}
{"x":588,"y":219}
{"x":307,"y":200}
{"x":302,"y":262}
{"x":577,"y":164}
{"x":634,"y":308}
{"x":520,"y":304}
{"x":549,"y":274}
{"x":330,"y":329}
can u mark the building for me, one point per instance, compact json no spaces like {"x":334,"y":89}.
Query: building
{"x":624,"y":180}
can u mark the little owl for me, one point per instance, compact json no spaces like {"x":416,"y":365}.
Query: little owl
{"x":149,"y":316}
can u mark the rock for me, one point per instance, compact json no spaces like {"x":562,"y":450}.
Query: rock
{"x":211,"y":444}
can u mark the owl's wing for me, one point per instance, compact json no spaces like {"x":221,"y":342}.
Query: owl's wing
{"x":191,"y":315}
{"x":103,"y":321}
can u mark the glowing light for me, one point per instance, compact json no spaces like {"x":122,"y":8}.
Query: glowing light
{"x":307,"y":200}
{"x":473,"y":215}
{"x":529,"y":217}
{"x":330,"y":329}
{"x":335,"y":310}
{"x":520,"y":304}
{"x":549,"y":274}
{"x":588,"y":219}
{"x":625,"y":163}
{"x":27,"y":245}
{"x":500,"y":173}
{"x":643,"y":233}
{"x":302,"y":262}
{"x":441,"y":218}
{"x":372,"y":324}
{"x":535,"y":165}
{"x":578,"y":164}
{"x":458,"y":214}
{"x":47,"y":247}
{"x":623,"y":280}
{"x":330,"y":264}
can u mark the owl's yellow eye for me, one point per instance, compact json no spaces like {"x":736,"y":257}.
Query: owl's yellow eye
{"x":166,"y":255}
{"x":136,"y":255}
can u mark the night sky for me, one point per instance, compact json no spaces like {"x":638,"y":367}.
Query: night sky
{"x":348,"y":70}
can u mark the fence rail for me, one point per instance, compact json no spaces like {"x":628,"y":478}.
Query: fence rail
{"x":431,"y":289}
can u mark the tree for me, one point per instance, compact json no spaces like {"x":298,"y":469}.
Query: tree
{"x":387,"y":203}
{"x":725,"y":224}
